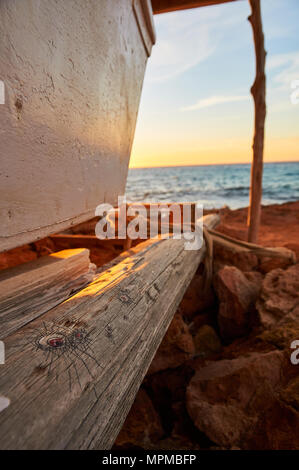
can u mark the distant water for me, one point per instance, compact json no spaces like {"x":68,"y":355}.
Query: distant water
{"x":213,"y":186}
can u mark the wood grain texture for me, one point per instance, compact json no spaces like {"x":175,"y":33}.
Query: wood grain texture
{"x":127,"y":310}
{"x":31,"y":289}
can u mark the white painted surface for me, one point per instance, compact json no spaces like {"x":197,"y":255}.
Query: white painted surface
{"x":73,"y":73}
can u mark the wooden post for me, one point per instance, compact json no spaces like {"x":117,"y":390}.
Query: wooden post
{"x":258,"y":91}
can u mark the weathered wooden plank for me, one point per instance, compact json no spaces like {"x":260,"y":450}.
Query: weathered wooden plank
{"x":79,"y":397}
{"x":31,"y":289}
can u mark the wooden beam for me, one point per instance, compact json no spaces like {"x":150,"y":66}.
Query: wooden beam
{"x":258,"y":91}
{"x":165,"y":6}
{"x":31,"y":289}
{"x":79,"y":399}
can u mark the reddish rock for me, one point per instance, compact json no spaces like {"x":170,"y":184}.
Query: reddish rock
{"x":251,"y":400}
{"x":206,"y":341}
{"x":184,"y":432}
{"x":176,"y":347}
{"x":237,"y":295}
{"x":242,"y":260}
{"x":196,"y":298}
{"x":276,"y":429}
{"x":142,"y":427}
{"x":279,"y":295}
{"x":294,"y":247}
{"x":268,"y":264}
{"x":17,"y":256}
{"x":284,"y":332}
{"x":44,"y":247}
{"x":290,"y":394}
{"x":225,"y":399}
{"x":99,"y":257}
{"x":207,"y":318}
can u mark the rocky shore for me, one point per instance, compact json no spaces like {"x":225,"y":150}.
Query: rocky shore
{"x":222,"y":377}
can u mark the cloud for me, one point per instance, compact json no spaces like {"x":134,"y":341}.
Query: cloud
{"x":186,"y":38}
{"x":288,"y":64}
{"x":173,"y":56}
{"x":214,"y":101}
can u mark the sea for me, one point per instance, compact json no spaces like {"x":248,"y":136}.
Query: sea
{"x":213,"y":186}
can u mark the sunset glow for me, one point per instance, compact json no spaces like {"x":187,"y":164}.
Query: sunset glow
{"x":196,"y":106}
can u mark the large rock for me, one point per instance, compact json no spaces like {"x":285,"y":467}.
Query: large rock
{"x":17,"y":256}
{"x":268,"y":264}
{"x":235,"y":401}
{"x":196,"y":298}
{"x":243,"y":260}
{"x":290,"y":394}
{"x":279,"y":295}
{"x":176,"y":347}
{"x":276,"y":429}
{"x":237,"y":294}
{"x":284,"y":332}
{"x":142,"y":427}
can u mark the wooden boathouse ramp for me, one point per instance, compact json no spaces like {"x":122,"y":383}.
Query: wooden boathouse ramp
{"x":78,"y":397}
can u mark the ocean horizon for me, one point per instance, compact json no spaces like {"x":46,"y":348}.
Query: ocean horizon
{"x":214,"y":186}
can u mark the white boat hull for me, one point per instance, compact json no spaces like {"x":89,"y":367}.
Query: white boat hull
{"x":73,"y":73}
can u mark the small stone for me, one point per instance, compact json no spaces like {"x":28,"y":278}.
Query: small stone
{"x":206,"y":341}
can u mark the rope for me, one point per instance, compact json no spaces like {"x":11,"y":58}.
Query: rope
{"x":212,"y":236}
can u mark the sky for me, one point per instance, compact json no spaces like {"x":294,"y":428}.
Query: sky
{"x":196,"y":107}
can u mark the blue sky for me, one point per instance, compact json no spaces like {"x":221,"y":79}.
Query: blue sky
{"x":196,"y":106}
